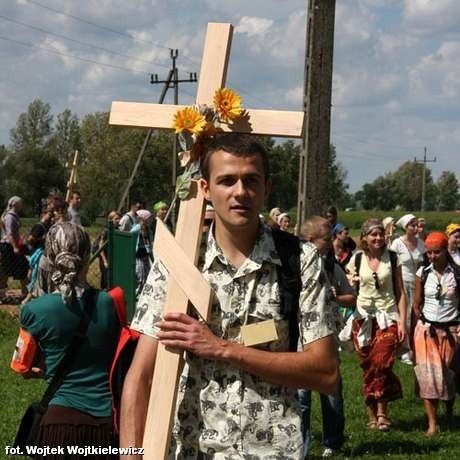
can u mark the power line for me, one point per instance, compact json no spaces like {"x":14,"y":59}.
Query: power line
{"x":60,"y":53}
{"x":108,"y":29}
{"x":376,"y":140}
{"x":47,"y":32}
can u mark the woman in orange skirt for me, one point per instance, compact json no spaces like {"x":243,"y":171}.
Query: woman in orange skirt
{"x":437,"y":327}
{"x":378,"y":325}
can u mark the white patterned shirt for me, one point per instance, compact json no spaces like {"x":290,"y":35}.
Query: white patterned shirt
{"x":223,"y":411}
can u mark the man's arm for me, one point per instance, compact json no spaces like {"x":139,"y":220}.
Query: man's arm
{"x":315,"y":367}
{"x":136,"y":393}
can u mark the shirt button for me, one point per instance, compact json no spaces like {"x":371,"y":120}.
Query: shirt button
{"x":235,"y":446}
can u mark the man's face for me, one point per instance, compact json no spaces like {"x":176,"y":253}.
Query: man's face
{"x":161,"y":213}
{"x":330,"y":217}
{"x":116,"y":220}
{"x":237,"y":188}
{"x":343,"y":235}
{"x":75,"y":201}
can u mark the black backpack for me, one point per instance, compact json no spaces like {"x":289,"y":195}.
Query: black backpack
{"x":289,"y":280}
{"x":394,"y":266}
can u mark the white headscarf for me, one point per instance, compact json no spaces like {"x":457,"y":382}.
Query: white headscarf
{"x":281,"y":216}
{"x":68,"y":249}
{"x":404,"y":220}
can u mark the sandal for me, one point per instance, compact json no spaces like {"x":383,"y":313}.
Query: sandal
{"x":372,"y":424}
{"x":383,"y":424}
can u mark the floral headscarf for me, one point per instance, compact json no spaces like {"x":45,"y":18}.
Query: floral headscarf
{"x":68,"y":250}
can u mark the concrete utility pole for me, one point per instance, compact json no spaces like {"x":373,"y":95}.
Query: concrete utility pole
{"x":424,"y":162}
{"x":174,"y":83}
{"x":317,"y":107}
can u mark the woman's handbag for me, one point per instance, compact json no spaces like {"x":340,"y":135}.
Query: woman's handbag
{"x":27,"y":434}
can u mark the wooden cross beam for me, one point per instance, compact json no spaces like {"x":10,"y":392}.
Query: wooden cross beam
{"x":72,"y":177}
{"x":183,"y":285}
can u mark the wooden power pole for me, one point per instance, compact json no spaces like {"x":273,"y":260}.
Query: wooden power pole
{"x":317,"y":107}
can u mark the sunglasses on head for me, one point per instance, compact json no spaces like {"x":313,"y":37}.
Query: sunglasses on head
{"x":438,"y":292}
{"x":376,"y":280}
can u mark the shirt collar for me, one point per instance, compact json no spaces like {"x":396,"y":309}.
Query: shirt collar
{"x":263,"y":251}
{"x":448,"y":268}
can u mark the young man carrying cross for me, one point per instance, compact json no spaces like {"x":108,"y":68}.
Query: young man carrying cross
{"x":234,"y":400}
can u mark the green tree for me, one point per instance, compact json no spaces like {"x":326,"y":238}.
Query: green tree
{"x":379,"y":194}
{"x":3,"y":176}
{"x":284,"y":164}
{"x":109,"y":154}
{"x":336,"y":186}
{"x":448,"y":192}
{"x":32,"y":174}
{"x":408,"y":179}
{"x":33,"y":128}
{"x":66,"y":137}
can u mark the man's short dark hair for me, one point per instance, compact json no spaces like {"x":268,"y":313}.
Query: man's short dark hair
{"x":237,"y":144}
{"x":331,"y":210}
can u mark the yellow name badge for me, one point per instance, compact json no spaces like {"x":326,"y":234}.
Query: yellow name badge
{"x":257,"y":333}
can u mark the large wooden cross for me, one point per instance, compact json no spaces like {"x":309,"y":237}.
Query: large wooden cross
{"x":180,"y":253}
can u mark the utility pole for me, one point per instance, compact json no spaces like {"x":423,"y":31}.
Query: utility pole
{"x":424,"y":162}
{"x":317,"y":107}
{"x":171,"y":81}
{"x":174,"y":83}
{"x":144,"y":145}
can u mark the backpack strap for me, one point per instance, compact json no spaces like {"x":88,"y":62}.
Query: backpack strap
{"x":118,"y":297}
{"x":394,"y":268}
{"x":358,"y":258}
{"x":288,"y":249}
{"x":124,"y":353}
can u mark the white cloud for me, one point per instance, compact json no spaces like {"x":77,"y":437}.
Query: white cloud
{"x":295,"y":95}
{"x":435,"y":76}
{"x":252,"y":26}
{"x":354,"y":24}
{"x":390,"y":45}
{"x":366,"y":87}
{"x":432,"y":15}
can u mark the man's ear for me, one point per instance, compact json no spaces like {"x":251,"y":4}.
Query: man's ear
{"x":204,"y":186}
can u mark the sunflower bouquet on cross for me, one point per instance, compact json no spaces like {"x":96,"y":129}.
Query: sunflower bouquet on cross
{"x":196,"y":126}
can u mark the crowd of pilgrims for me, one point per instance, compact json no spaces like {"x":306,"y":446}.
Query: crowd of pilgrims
{"x":396,"y":295}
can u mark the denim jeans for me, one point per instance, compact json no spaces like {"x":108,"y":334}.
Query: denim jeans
{"x":333,"y":418}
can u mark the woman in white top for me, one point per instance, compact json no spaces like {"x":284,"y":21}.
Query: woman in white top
{"x":410,"y":250}
{"x":379,"y":321}
{"x":438,"y":324}
{"x":453,"y":233}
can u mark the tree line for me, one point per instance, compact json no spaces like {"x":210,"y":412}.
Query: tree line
{"x":42,"y":145}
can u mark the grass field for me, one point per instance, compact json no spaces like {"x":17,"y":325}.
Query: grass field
{"x":406,"y":439}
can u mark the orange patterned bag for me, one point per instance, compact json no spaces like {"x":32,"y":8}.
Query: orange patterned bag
{"x":25,"y":352}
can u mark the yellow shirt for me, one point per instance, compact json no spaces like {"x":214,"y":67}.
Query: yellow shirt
{"x":370,"y":298}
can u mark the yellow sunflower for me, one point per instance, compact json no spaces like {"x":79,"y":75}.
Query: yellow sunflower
{"x":189,"y":119}
{"x":227,"y":103}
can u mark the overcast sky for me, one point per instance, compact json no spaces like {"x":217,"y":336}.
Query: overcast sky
{"x":396,"y":85}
